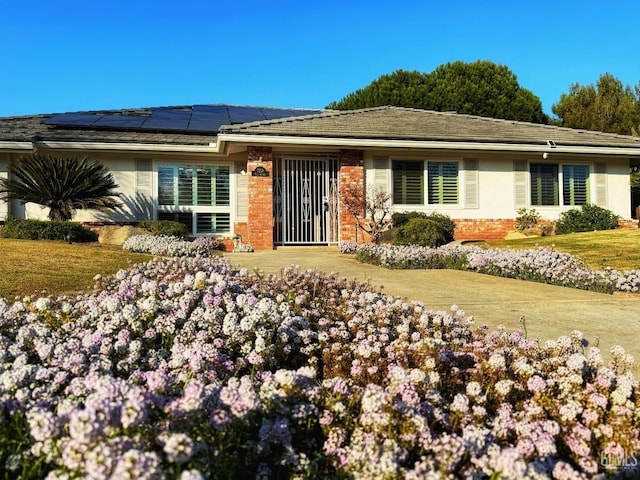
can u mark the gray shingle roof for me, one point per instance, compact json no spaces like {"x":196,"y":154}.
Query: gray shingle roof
{"x":184,"y":125}
{"x":25,"y":128}
{"x":383,"y":123}
{"x":398,"y":123}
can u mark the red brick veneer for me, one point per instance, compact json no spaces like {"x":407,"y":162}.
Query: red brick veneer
{"x":482,"y":229}
{"x":260,"y":226}
{"x":351,"y":171}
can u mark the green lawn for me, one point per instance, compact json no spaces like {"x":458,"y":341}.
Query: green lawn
{"x":34,"y":267}
{"x":37,"y":267}
{"x":619,"y":249}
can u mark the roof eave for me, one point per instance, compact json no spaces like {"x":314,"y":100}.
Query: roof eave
{"x":117,"y":146}
{"x":14,"y":146}
{"x":424,"y":144}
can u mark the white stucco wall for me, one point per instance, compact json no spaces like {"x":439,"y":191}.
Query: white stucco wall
{"x":496,"y":183}
{"x":4,"y":206}
{"x":618,"y":187}
{"x":123,"y":171}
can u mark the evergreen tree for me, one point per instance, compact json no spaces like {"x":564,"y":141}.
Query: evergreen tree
{"x":608,"y":106}
{"x":480,"y":88}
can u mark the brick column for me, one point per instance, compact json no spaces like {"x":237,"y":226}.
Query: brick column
{"x":351,"y":171}
{"x":260,"y":228}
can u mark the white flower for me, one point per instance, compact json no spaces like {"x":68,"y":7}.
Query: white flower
{"x":460,"y":403}
{"x":497,"y":361}
{"x":178,"y":448}
{"x":570,"y":410}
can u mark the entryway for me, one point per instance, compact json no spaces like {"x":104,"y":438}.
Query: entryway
{"x":305,"y":199}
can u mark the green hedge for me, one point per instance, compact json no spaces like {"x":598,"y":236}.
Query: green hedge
{"x":165,"y":227}
{"x":425,"y":229}
{"x":588,"y":218}
{"x":46,"y":230}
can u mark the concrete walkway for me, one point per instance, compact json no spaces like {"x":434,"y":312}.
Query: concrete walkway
{"x":549,"y":311}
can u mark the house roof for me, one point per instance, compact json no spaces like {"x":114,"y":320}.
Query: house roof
{"x":202,"y":125}
{"x":185,"y":125}
{"x":399,"y":123}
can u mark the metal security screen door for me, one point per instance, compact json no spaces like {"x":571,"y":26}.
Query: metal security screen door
{"x":305,"y":200}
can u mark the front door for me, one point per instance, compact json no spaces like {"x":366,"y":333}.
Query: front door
{"x":305,"y":200}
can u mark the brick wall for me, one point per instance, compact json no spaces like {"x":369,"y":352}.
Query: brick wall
{"x":351,"y":171}
{"x":260,"y":226}
{"x":483,"y":229}
{"x":628,"y":223}
{"x":241,"y":229}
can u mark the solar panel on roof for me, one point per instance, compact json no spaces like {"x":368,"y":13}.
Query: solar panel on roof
{"x":80,"y":119}
{"x":199,"y":118}
{"x":167,"y":119}
{"x":208,"y":118}
{"x":272,"y":113}
{"x":245,"y":114}
{"x":299,"y":113}
{"x":128,"y":121}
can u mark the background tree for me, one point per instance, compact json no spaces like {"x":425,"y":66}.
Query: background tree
{"x":608,"y":106}
{"x":64,"y":185}
{"x":479,"y":88}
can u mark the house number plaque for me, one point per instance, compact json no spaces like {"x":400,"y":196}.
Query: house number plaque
{"x":260,"y":172}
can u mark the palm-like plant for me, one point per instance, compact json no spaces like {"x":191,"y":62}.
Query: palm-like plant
{"x":62,"y":184}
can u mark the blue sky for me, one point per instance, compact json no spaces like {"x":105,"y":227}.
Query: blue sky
{"x":71,"y":55}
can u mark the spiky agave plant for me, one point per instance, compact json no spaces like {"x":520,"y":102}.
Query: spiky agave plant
{"x":62,"y":184}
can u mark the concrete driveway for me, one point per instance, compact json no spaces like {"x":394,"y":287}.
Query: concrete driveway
{"x":549,"y":311}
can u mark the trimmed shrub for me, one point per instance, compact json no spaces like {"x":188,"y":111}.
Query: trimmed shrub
{"x":420,"y":231}
{"x":402,"y":218}
{"x":165,"y":227}
{"x":588,"y":218}
{"x":445,"y":225}
{"x":19,"y":228}
{"x":427,"y":230}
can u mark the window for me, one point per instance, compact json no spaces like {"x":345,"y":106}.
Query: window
{"x":206,"y":223}
{"x":408,"y":182}
{"x":195,"y":195}
{"x":575,"y":184}
{"x":545,"y":184}
{"x":184,"y":185}
{"x":443,"y":182}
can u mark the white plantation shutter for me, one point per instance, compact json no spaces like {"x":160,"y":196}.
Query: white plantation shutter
{"x":600,"y":198}
{"x":381,"y":172}
{"x":144,"y":177}
{"x":4,"y":206}
{"x":575,"y":184}
{"x":520,"y":183}
{"x":443,"y":182}
{"x":242,"y":198}
{"x":408,"y":182}
{"x":470,"y":166}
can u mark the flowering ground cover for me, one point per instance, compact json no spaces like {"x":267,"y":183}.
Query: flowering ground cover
{"x":170,"y":246}
{"x":184,"y":368}
{"x":543,"y":264}
{"x":607,"y":248}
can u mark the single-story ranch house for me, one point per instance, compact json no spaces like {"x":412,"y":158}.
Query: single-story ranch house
{"x":272,"y":176}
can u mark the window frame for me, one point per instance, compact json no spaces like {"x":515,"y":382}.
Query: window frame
{"x":221,"y":204}
{"x":405,"y":179}
{"x":427,"y":181}
{"x":559,"y":184}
